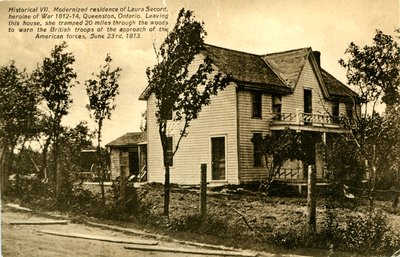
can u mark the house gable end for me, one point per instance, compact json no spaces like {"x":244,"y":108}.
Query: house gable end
{"x":288,"y":65}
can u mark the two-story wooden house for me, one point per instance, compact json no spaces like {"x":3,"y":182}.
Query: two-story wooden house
{"x":267,"y":92}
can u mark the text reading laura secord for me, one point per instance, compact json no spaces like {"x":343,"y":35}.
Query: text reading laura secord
{"x":126,"y":22}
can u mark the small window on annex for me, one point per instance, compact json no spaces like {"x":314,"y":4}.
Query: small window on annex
{"x":257,"y":104}
{"x":257,"y":156}
{"x":276,"y":104}
{"x":170,"y":150}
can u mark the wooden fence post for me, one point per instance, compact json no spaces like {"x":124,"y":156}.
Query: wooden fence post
{"x":203,"y":190}
{"x":311,"y":199}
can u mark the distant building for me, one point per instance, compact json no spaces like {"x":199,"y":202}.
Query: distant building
{"x":88,"y":158}
{"x":129,"y":152}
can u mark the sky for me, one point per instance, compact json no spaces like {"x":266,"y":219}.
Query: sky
{"x":254,"y":26}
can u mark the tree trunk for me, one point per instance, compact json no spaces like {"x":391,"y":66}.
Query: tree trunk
{"x":43,"y":169}
{"x":203,"y":190}
{"x":166,"y":161}
{"x":4,"y":172}
{"x":101,"y":166}
{"x":17,"y":171}
{"x":374,"y":176}
{"x":166,"y":191}
{"x":59,"y":178}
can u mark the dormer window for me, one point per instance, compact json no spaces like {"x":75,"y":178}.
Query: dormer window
{"x":257,"y":104}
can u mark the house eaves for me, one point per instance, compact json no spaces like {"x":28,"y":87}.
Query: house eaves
{"x":273,"y":73}
{"x":128,"y":140}
{"x":337,"y":90}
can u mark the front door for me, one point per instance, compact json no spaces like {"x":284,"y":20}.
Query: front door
{"x":218,"y":158}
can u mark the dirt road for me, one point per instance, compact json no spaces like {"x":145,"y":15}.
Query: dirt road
{"x":29,"y":240}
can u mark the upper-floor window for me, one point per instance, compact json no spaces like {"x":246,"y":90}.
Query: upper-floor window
{"x":257,"y":104}
{"x":335,"y":109}
{"x":307,"y":101}
{"x":257,"y":156}
{"x":276,"y":104}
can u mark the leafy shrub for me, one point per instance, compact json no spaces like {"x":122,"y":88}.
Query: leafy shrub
{"x":345,"y":167}
{"x":83,"y":201}
{"x":32,"y":191}
{"x":364,"y":233}
{"x":390,"y":242}
{"x":133,"y":208}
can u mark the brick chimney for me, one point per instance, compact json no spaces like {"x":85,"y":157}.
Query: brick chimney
{"x":317,"y":56}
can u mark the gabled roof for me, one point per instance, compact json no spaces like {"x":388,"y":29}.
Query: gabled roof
{"x":129,"y":139}
{"x":244,"y":68}
{"x":289,"y":64}
{"x":275,"y":72}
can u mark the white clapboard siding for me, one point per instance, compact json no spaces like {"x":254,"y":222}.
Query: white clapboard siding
{"x":307,"y":80}
{"x":248,"y":126}
{"x":217,"y":119}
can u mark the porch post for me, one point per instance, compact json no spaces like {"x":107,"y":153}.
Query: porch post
{"x":311,"y":200}
{"x":139,"y":164}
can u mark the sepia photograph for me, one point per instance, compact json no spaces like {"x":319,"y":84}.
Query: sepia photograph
{"x":200,"y":128}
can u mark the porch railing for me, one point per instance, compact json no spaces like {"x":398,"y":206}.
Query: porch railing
{"x":301,"y":118}
{"x":288,"y":175}
{"x":297,"y":175}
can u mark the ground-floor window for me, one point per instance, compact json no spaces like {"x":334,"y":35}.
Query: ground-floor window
{"x":257,"y":156}
{"x":218,"y":158}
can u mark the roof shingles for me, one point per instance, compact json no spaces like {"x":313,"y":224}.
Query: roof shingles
{"x":129,"y":139}
{"x":276,"y":72}
{"x":243,"y":67}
